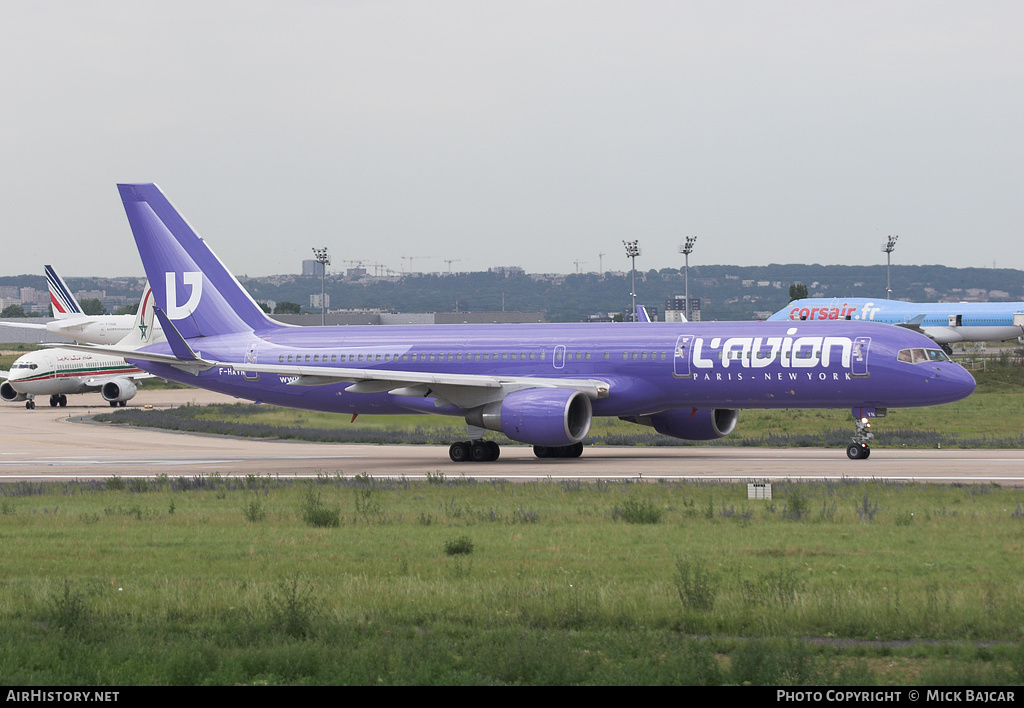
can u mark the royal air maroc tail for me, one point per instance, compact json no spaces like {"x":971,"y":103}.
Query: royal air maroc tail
{"x":538,"y":384}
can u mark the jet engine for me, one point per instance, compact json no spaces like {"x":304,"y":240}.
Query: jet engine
{"x":550,"y":417}
{"x":692,"y":423}
{"x":7,"y":393}
{"x":118,"y":390}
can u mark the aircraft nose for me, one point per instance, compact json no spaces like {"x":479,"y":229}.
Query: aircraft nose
{"x":955,"y":382}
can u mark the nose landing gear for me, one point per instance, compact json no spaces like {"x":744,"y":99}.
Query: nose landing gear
{"x":858,"y":449}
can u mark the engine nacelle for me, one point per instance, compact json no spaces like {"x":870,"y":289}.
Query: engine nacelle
{"x":550,"y":417}
{"x":7,"y":393}
{"x":692,"y":423}
{"x":118,"y":390}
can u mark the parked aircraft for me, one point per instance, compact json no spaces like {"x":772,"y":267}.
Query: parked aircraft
{"x":58,"y":372}
{"x":944,"y":322}
{"x":71,"y":322}
{"x":538,"y":384}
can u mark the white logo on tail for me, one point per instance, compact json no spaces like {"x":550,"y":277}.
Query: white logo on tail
{"x":176,"y":311}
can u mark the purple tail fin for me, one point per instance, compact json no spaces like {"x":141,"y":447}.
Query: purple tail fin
{"x":190,"y":284}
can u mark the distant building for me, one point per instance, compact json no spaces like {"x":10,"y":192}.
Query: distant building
{"x":312,"y":267}
{"x":675,"y":309}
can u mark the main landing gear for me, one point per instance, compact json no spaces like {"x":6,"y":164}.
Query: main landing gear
{"x":488,"y":451}
{"x":58,"y":399}
{"x":858,"y":449}
{"x":474,"y":451}
{"x":560,"y":451}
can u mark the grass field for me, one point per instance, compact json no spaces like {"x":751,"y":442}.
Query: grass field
{"x":368,"y":581}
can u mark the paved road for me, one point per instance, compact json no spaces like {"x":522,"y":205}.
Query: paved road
{"x":45,"y":444}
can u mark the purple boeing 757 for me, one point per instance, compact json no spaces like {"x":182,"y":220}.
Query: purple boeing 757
{"x":537,"y":384}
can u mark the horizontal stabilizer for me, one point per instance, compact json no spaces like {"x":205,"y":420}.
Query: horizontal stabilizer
{"x":914,"y":324}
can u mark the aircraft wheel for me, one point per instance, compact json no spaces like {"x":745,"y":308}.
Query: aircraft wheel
{"x":113,"y":404}
{"x":479,"y":451}
{"x":858,"y":452}
{"x":63,"y":400}
{"x":54,"y":400}
{"x":541,"y":451}
{"x":30,"y":405}
{"x":494,"y":450}
{"x":575,"y":450}
{"x":122,"y":403}
{"x":459,"y":452}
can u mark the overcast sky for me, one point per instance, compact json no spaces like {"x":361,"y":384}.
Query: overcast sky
{"x":515,"y":133}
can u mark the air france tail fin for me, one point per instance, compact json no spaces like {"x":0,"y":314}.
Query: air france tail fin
{"x":190,"y":284}
{"x":63,"y":302}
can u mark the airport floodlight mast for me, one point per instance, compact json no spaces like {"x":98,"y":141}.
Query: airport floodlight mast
{"x":632,"y":251}
{"x":888,"y":247}
{"x":320,"y":254}
{"x":686,"y":249}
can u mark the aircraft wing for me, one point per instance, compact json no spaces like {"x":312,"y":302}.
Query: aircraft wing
{"x":98,"y":381}
{"x":462,"y":390}
{"x":24,"y":325}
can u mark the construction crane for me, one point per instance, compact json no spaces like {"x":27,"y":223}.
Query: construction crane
{"x":449,"y":261}
{"x":411,"y":258}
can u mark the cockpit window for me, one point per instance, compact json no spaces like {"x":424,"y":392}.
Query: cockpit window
{"x":921,"y":356}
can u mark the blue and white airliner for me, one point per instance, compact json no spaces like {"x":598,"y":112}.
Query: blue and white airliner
{"x":539,"y":384}
{"x":945,"y":323}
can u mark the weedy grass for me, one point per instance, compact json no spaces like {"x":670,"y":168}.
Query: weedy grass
{"x":528,"y":583}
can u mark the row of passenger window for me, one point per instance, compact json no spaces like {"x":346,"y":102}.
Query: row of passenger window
{"x":529,"y":356}
{"x":426,"y":356}
{"x":459,"y":356}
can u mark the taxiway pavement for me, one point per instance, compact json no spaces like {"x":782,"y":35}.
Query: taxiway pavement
{"x":45,"y":443}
